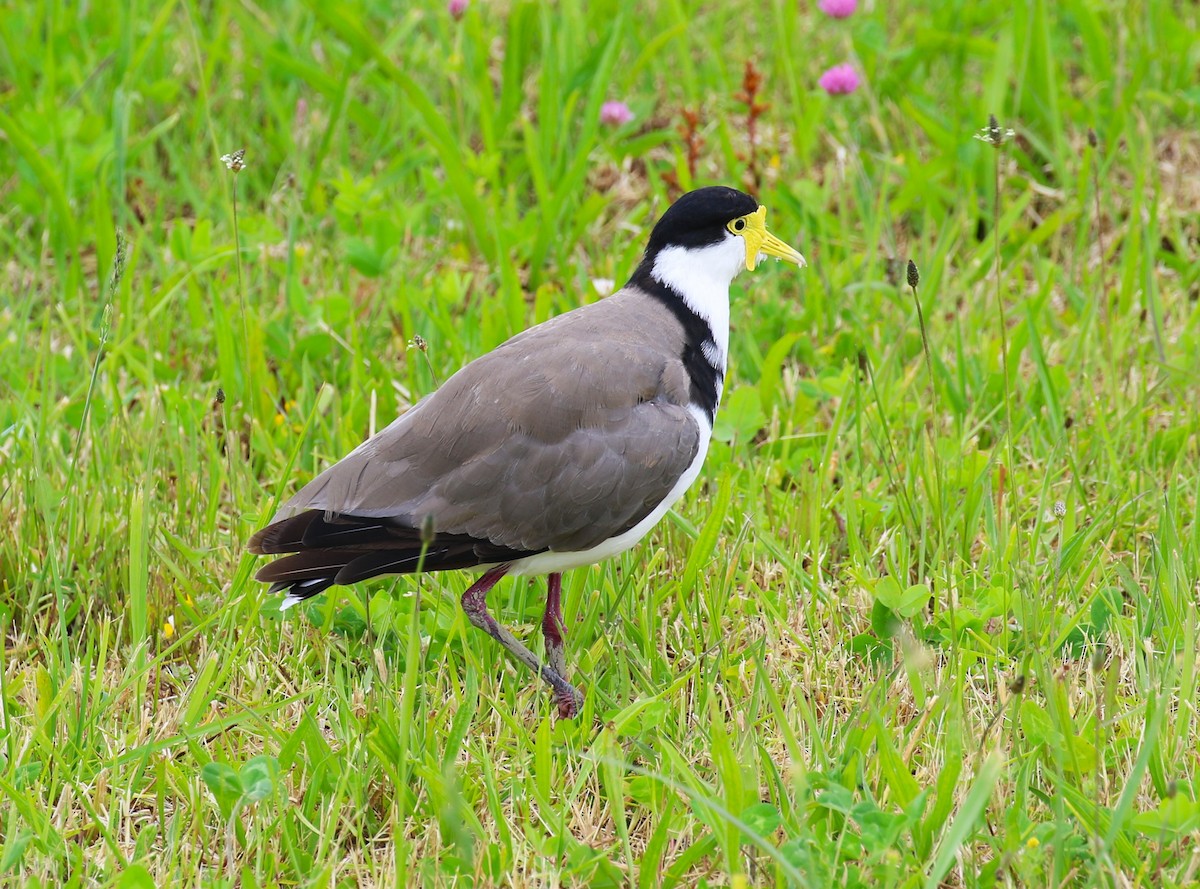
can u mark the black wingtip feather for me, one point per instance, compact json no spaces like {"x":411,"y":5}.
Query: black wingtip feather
{"x":284,"y":536}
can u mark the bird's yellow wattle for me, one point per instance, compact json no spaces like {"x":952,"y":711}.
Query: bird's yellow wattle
{"x":753,"y":229}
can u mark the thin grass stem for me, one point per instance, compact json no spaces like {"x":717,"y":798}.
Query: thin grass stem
{"x":936,"y":498}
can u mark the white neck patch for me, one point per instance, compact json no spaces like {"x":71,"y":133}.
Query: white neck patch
{"x":702,"y":276}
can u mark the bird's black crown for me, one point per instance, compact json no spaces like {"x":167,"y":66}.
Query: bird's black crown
{"x":698,"y":219}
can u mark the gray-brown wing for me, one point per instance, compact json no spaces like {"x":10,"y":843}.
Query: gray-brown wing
{"x":561,"y":438}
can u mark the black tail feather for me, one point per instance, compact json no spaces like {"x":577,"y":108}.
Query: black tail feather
{"x":323,"y":550}
{"x":297,"y":592}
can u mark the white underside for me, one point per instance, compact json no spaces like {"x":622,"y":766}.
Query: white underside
{"x":554,"y":562}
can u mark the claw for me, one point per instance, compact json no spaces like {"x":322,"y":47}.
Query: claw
{"x":569,"y":702}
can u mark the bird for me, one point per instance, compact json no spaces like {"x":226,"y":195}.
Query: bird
{"x":558,"y":449}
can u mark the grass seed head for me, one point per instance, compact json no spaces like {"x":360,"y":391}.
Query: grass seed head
{"x":428,"y":530}
{"x":235,"y":161}
{"x":994,"y":134}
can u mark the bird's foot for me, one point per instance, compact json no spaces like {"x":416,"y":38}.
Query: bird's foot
{"x":569,"y":700}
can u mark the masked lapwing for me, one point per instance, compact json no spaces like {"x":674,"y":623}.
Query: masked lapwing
{"x":562,"y":447}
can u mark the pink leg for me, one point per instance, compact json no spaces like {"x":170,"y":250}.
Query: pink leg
{"x":554,"y":628}
{"x":474,"y":605}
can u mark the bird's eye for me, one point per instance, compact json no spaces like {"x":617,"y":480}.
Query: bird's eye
{"x":739,"y":225}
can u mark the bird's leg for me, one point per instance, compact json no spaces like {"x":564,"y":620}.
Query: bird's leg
{"x":553,"y":626}
{"x":474,"y":605}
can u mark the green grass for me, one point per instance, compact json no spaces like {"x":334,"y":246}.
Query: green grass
{"x":928,"y":620}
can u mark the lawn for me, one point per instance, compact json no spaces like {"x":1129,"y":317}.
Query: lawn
{"x":931,"y":616}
